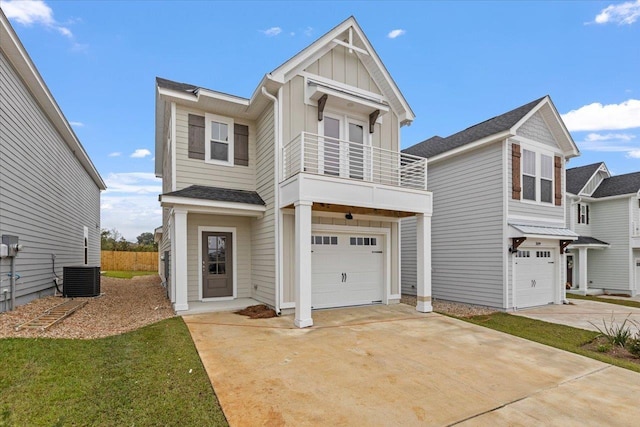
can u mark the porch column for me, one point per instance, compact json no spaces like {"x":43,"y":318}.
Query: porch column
{"x":303,"y":264}
{"x":582,"y":264}
{"x":423,"y":263}
{"x":180,"y":259}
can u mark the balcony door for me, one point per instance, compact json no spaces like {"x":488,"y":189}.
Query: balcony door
{"x":343,"y":147}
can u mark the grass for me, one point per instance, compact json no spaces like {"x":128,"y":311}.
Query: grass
{"x":551,"y":334}
{"x":151,"y":376}
{"x":127,"y":274}
{"x":627,"y":303}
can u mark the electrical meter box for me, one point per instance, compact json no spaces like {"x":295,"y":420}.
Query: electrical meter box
{"x":12,"y":244}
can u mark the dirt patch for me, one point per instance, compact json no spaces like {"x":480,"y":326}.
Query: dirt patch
{"x":451,"y":308}
{"x":621,"y":353}
{"x":124,"y":305}
{"x":259,"y":311}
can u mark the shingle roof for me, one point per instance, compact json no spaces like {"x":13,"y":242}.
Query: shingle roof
{"x":436,"y":145}
{"x":619,"y":184}
{"x":577,"y":177}
{"x":169,"y":84}
{"x":586,"y":240}
{"x":219,"y":194}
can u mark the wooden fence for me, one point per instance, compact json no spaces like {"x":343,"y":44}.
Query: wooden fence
{"x":129,"y":261}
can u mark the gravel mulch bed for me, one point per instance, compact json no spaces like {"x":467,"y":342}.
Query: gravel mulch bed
{"x":124,"y":305}
{"x":450,"y":308}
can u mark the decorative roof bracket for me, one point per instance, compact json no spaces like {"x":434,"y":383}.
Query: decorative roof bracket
{"x":516,"y":242}
{"x":321,"y":103}
{"x":372,"y":120}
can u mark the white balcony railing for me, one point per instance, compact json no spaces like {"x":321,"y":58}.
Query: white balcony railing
{"x":315,"y":154}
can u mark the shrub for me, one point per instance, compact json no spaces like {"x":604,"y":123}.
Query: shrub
{"x":604,"y":348}
{"x":633,"y":345}
{"x":615,"y":334}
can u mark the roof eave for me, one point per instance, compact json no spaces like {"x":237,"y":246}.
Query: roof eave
{"x":471,"y":146}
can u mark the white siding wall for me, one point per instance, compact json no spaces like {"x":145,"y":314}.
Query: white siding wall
{"x":536,"y":129}
{"x":609,"y":268}
{"x":263,"y":229}
{"x":344,"y":67}
{"x":243,"y":250}
{"x":409,"y":252}
{"x":46,"y":196}
{"x":467,"y":227}
{"x":197,"y":172}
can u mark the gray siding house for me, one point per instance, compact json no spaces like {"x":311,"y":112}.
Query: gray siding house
{"x":293,"y":197}
{"x":605,"y":211}
{"x":49,"y":189}
{"x":498,"y":230}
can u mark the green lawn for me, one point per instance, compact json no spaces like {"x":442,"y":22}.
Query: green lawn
{"x":625,"y":302}
{"x":551,"y":334}
{"x":127,"y":274}
{"x":149,"y":377}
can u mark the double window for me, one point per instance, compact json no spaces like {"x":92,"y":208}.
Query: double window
{"x":583,"y":213}
{"x":537,"y":177}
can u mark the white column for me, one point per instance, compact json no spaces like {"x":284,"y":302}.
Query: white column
{"x":423,"y":263}
{"x":582,"y":260}
{"x":180,"y":259}
{"x":303,"y":264}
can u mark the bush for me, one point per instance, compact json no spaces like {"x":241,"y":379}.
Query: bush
{"x":633,"y":345}
{"x":604,"y":348}
{"x":615,"y":334}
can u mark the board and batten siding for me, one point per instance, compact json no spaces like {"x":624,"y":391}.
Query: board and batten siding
{"x":609,"y":268}
{"x":46,"y":195}
{"x":533,"y":210}
{"x":263,"y":248}
{"x":243,"y":251}
{"x":467,"y":227}
{"x":198,"y":172}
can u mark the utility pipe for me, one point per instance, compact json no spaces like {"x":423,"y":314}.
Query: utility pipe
{"x":13,"y":282}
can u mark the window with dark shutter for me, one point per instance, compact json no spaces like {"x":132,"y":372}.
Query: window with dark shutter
{"x":516,"y":188}
{"x":579,"y":214}
{"x":558,"y":180}
{"x":196,"y":137}
{"x":241,"y":145}
{"x":587,"y":214}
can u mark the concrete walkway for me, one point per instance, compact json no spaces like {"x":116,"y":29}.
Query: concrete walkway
{"x":390,"y":365}
{"x":585,"y":314}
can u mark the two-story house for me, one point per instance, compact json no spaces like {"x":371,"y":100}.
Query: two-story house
{"x":605,"y":211}
{"x":292,"y":197}
{"x":49,"y":188}
{"x":498,"y":230}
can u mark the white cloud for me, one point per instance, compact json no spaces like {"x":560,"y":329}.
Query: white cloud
{"x":595,"y":117}
{"x":33,"y":12}
{"x":115,"y":154}
{"x":308,"y":31}
{"x":609,"y":136}
{"x":634,"y":154}
{"x":273,"y":31}
{"x":133,"y":183}
{"x":395,"y":33}
{"x":622,"y":13}
{"x":140,"y":153}
{"x":77,"y":124}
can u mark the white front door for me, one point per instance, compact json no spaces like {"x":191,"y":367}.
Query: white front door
{"x":347,"y":269}
{"x":535,"y":276}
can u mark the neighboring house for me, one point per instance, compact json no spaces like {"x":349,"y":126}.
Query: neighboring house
{"x":605,"y":211}
{"x":498,"y":230}
{"x":292,"y":197}
{"x":49,"y":189}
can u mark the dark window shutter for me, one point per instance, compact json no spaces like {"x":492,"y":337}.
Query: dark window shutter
{"x":516,"y":188}
{"x":558,"y":179}
{"x":196,"y":137}
{"x":587,"y":215}
{"x":579,"y":212}
{"x":241,"y":145}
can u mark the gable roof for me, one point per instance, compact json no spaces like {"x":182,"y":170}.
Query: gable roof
{"x":618,"y":185}
{"x":578,"y":177}
{"x":496,"y":128}
{"x":17,"y":55}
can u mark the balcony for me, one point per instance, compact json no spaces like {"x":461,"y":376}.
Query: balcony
{"x":330,"y":170}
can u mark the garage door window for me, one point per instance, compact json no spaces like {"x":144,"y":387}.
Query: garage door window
{"x":324,"y":240}
{"x":363,"y":241}
{"x":543,"y":254}
{"x":523,"y":254}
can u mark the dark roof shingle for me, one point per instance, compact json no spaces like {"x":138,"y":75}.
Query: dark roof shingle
{"x":219,"y":194}
{"x":577,"y":177}
{"x":436,"y":145}
{"x":587,"y":240}
{"x":169,"y":84}
{"x":618,"y":184}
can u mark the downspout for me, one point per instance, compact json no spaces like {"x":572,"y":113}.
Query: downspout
{"x":276,"y":195}
{"x":13,"y":283}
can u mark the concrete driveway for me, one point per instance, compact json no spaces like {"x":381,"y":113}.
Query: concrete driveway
{"x":585,"y":314}
{"x":390,"y":365}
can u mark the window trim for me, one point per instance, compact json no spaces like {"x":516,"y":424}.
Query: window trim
{"x":208,"y":118}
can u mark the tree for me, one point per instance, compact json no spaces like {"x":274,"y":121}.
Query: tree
{"x":145,"y":239}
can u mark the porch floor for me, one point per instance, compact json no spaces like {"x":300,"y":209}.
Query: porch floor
{"x":199,"y":307}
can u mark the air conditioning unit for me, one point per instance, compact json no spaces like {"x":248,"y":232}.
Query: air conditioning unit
{"x":82,"y":281}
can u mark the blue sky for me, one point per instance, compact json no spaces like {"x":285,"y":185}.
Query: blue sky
{"x":457,"y":63}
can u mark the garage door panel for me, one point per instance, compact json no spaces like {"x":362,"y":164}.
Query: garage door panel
{"x":535,"y":277}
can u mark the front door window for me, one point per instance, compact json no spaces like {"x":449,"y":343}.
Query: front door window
{"x":217,"y":265}
{"x":340,"y":158}
{"x":332,"y":146}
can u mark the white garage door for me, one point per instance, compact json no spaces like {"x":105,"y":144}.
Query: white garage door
{"x":535,"y":272}
{"x":347,"y":269}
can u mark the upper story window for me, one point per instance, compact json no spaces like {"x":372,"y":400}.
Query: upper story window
{"x":537,"y":177}
{"x":218,"y":139}
{"x":583,"y":213}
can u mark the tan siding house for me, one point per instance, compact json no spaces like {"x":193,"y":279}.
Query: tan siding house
{"x":293,"y":197}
